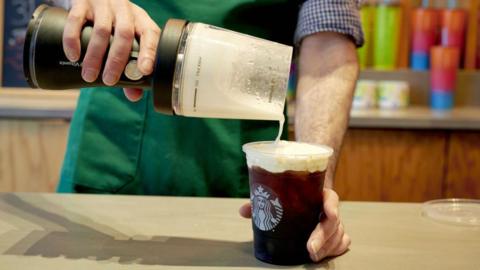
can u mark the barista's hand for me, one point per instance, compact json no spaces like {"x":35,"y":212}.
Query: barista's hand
{"x":127,"y":20}
{"x":328,"y":238}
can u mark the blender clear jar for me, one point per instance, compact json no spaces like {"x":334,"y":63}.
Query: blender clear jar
{"x":220,"y":73}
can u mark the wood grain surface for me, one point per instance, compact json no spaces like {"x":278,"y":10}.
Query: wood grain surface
{"x":471,"y":46}
{"x":31,"y":154}
{"x":405,"y":39}
{"x":391,"y":165}
{"x":463,"y":173}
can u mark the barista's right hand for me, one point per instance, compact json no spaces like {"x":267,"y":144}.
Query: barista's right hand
{"x":128,"y":20}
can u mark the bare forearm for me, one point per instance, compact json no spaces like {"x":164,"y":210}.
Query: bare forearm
{"x":328,"y":70}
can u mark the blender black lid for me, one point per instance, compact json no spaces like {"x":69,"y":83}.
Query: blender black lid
{"x":164,"y":70}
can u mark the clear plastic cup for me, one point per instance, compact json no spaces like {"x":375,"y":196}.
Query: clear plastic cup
{"x":465,"y":212}
{"x":286,"y":191}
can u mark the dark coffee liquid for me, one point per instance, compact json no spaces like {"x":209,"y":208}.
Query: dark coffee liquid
{"x":286,"y":207}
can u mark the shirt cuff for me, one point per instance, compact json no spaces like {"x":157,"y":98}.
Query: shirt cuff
{"x":340,"y":16}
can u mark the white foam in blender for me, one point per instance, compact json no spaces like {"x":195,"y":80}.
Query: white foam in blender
{"x":232,"y":75}
{"x":288,"y":156}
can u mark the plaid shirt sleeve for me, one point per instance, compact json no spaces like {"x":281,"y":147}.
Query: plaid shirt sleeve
{"x":339,"y":16}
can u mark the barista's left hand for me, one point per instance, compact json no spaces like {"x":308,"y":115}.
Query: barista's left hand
{"x":328,"y":238}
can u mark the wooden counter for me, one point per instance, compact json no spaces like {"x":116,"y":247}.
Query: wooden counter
{"x":125,"y":232}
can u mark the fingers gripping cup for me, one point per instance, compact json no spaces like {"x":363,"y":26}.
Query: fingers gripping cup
{"x":286,"y":187}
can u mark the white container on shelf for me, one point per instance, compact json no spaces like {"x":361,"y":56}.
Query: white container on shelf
{"x":393,"y":94}
{"x":365,"y":94}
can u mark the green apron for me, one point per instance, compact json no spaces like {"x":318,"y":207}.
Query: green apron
{"x":116,"y":146}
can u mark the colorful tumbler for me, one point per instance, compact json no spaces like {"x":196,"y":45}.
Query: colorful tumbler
{"x":424,"y":34}
{"x":387,"y":35}
{"x":443,"y":75}
{"x":292,"y":82}
{"x":453,"y":24}
{"x":367,"y":17}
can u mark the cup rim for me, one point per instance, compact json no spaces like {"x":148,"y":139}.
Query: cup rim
{"x":327,"y":150}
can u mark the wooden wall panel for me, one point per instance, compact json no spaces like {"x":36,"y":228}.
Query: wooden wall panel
{"x":405,"y":39}
{"x":391,"y":165}
{"x":463,"y":174}
{"x":375,"y":165}
{"x":470,"y":56}
{"x":31,"y":154}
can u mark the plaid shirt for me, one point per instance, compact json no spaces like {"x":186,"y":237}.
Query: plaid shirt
{"x":339,"y":16}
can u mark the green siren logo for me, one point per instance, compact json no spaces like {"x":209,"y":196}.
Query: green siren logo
{"x":267,"y":210}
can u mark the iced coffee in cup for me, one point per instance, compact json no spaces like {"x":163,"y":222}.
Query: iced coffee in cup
{"x":286,"y":183}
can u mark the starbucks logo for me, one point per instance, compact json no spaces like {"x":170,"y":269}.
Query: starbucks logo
{"x":267,"y":210}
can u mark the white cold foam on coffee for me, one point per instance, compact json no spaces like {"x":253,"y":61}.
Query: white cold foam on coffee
{"x":231,"y":75}
{"x":287,"y":156}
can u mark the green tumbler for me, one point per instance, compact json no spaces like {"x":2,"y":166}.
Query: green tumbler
{"x":367,"y":17}
{"x":387,"y":35}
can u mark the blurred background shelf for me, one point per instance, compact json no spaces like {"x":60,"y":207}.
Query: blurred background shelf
{"x":37,"y":104}
{"x":467,"y":92}
{"x":417,"y":117}
{"x":413,"y":117}
{"x":17,"y":104}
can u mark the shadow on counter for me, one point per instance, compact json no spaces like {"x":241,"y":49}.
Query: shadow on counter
{"x":62,"y":237}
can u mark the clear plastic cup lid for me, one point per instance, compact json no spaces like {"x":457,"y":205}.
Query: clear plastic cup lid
{"x":454,"y":211}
